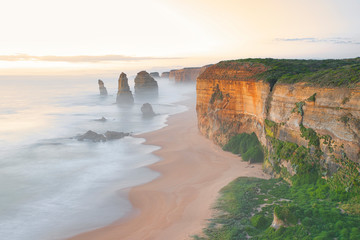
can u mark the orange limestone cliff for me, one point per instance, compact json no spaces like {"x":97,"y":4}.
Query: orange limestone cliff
{"x":186,"y":74}
{"x":234,"y":97}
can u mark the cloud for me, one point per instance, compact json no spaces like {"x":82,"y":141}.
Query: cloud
{"x":336,"y":40}
{"x":77,"y":59}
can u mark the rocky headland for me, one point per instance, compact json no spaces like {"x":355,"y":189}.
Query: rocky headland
{"x":301,"y":118}
{"x":319,"y":110}
{"x":165,"y":75}
{"x":124,"y":95}
{"x":186,"y":75}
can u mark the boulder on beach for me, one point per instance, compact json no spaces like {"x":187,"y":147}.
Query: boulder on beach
{"x":145,"y":85}
{"x":124,"y":95}
{"x":147,"y":110}
{"x":102,"y":88}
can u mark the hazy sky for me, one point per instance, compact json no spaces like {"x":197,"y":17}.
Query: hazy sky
{"x":90,"y":36}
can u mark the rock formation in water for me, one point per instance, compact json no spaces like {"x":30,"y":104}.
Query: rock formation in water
{"x":186,"y":75}
{"x":165,"y":75}
{"x":124,"y":95}
{"x":91,"y":136}
{"x":96,"y":137}
{"x":102,"y":88}
{"x":147,"y":110}
{"x":112,"y":135}
{"x":155,"y":74}
{"x":318,"y":111}
{"x":145,"y":85}
{"x":101,"y":119}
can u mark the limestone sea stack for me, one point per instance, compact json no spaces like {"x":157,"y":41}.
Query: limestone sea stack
{"x":145,"y":85}
{"x":155,"y":74}
{"x":124,"y":95}
{"x":102,"y":88}
{"x":165,"y":75}
{"x":147,"y":110}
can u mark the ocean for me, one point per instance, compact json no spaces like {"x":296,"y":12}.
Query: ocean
{"x":53,"y":186}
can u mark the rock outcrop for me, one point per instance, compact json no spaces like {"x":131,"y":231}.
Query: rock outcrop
{"x":91,"y":136}
{"x":147,"y":110}
{"x":145,"y":85}
{"x":155,"y":74}
{"x":101,"y":119}
{"x":96,"y":137}
{"x":112,"y":135}
{"x":233,"y":98}
{"x":124,"y":95}
{"x":165,"y":75}
{"x":102,"y":88}
{"x":186,"y":75}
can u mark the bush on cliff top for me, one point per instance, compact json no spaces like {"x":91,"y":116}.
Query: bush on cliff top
{"x":330,"y":72}
{"x":247,"y":145}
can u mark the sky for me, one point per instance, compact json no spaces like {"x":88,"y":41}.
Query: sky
{"x":107,"y":36}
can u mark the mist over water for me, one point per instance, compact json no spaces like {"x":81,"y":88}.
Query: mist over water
{"x":53,"y":186}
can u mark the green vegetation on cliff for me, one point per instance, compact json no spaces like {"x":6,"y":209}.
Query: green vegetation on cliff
{"x":308,"y":211}
{"x":247,"y":145}
{"x":330,"y":72}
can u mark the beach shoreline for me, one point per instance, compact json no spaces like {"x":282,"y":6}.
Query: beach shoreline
{"x":177,"y":203}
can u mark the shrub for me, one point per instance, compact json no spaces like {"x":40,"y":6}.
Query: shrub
{"x":247,"y":145}
{"x":259,"y":221}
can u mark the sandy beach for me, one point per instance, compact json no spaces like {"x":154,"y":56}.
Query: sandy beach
{"x":177,"y":204}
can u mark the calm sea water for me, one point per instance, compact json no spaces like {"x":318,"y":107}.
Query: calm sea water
{"x":53,"y":186}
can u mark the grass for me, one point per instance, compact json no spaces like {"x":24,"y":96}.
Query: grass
{"x":330,"y":72}
{"x":310,"y":211}
{"x":247,"y":145}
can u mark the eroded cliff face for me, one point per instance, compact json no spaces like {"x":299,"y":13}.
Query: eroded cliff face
{"x":230,"y":100}
{"x":186,"y":74}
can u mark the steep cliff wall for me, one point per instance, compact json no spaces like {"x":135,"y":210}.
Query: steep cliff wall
{"x":244,"y":96}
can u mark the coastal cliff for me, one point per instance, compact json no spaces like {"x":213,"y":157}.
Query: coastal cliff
{"x":286,"y":101}
{"x":186,"y":74}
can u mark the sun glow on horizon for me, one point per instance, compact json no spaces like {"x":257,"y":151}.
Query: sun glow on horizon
{"x":171,"y":33}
